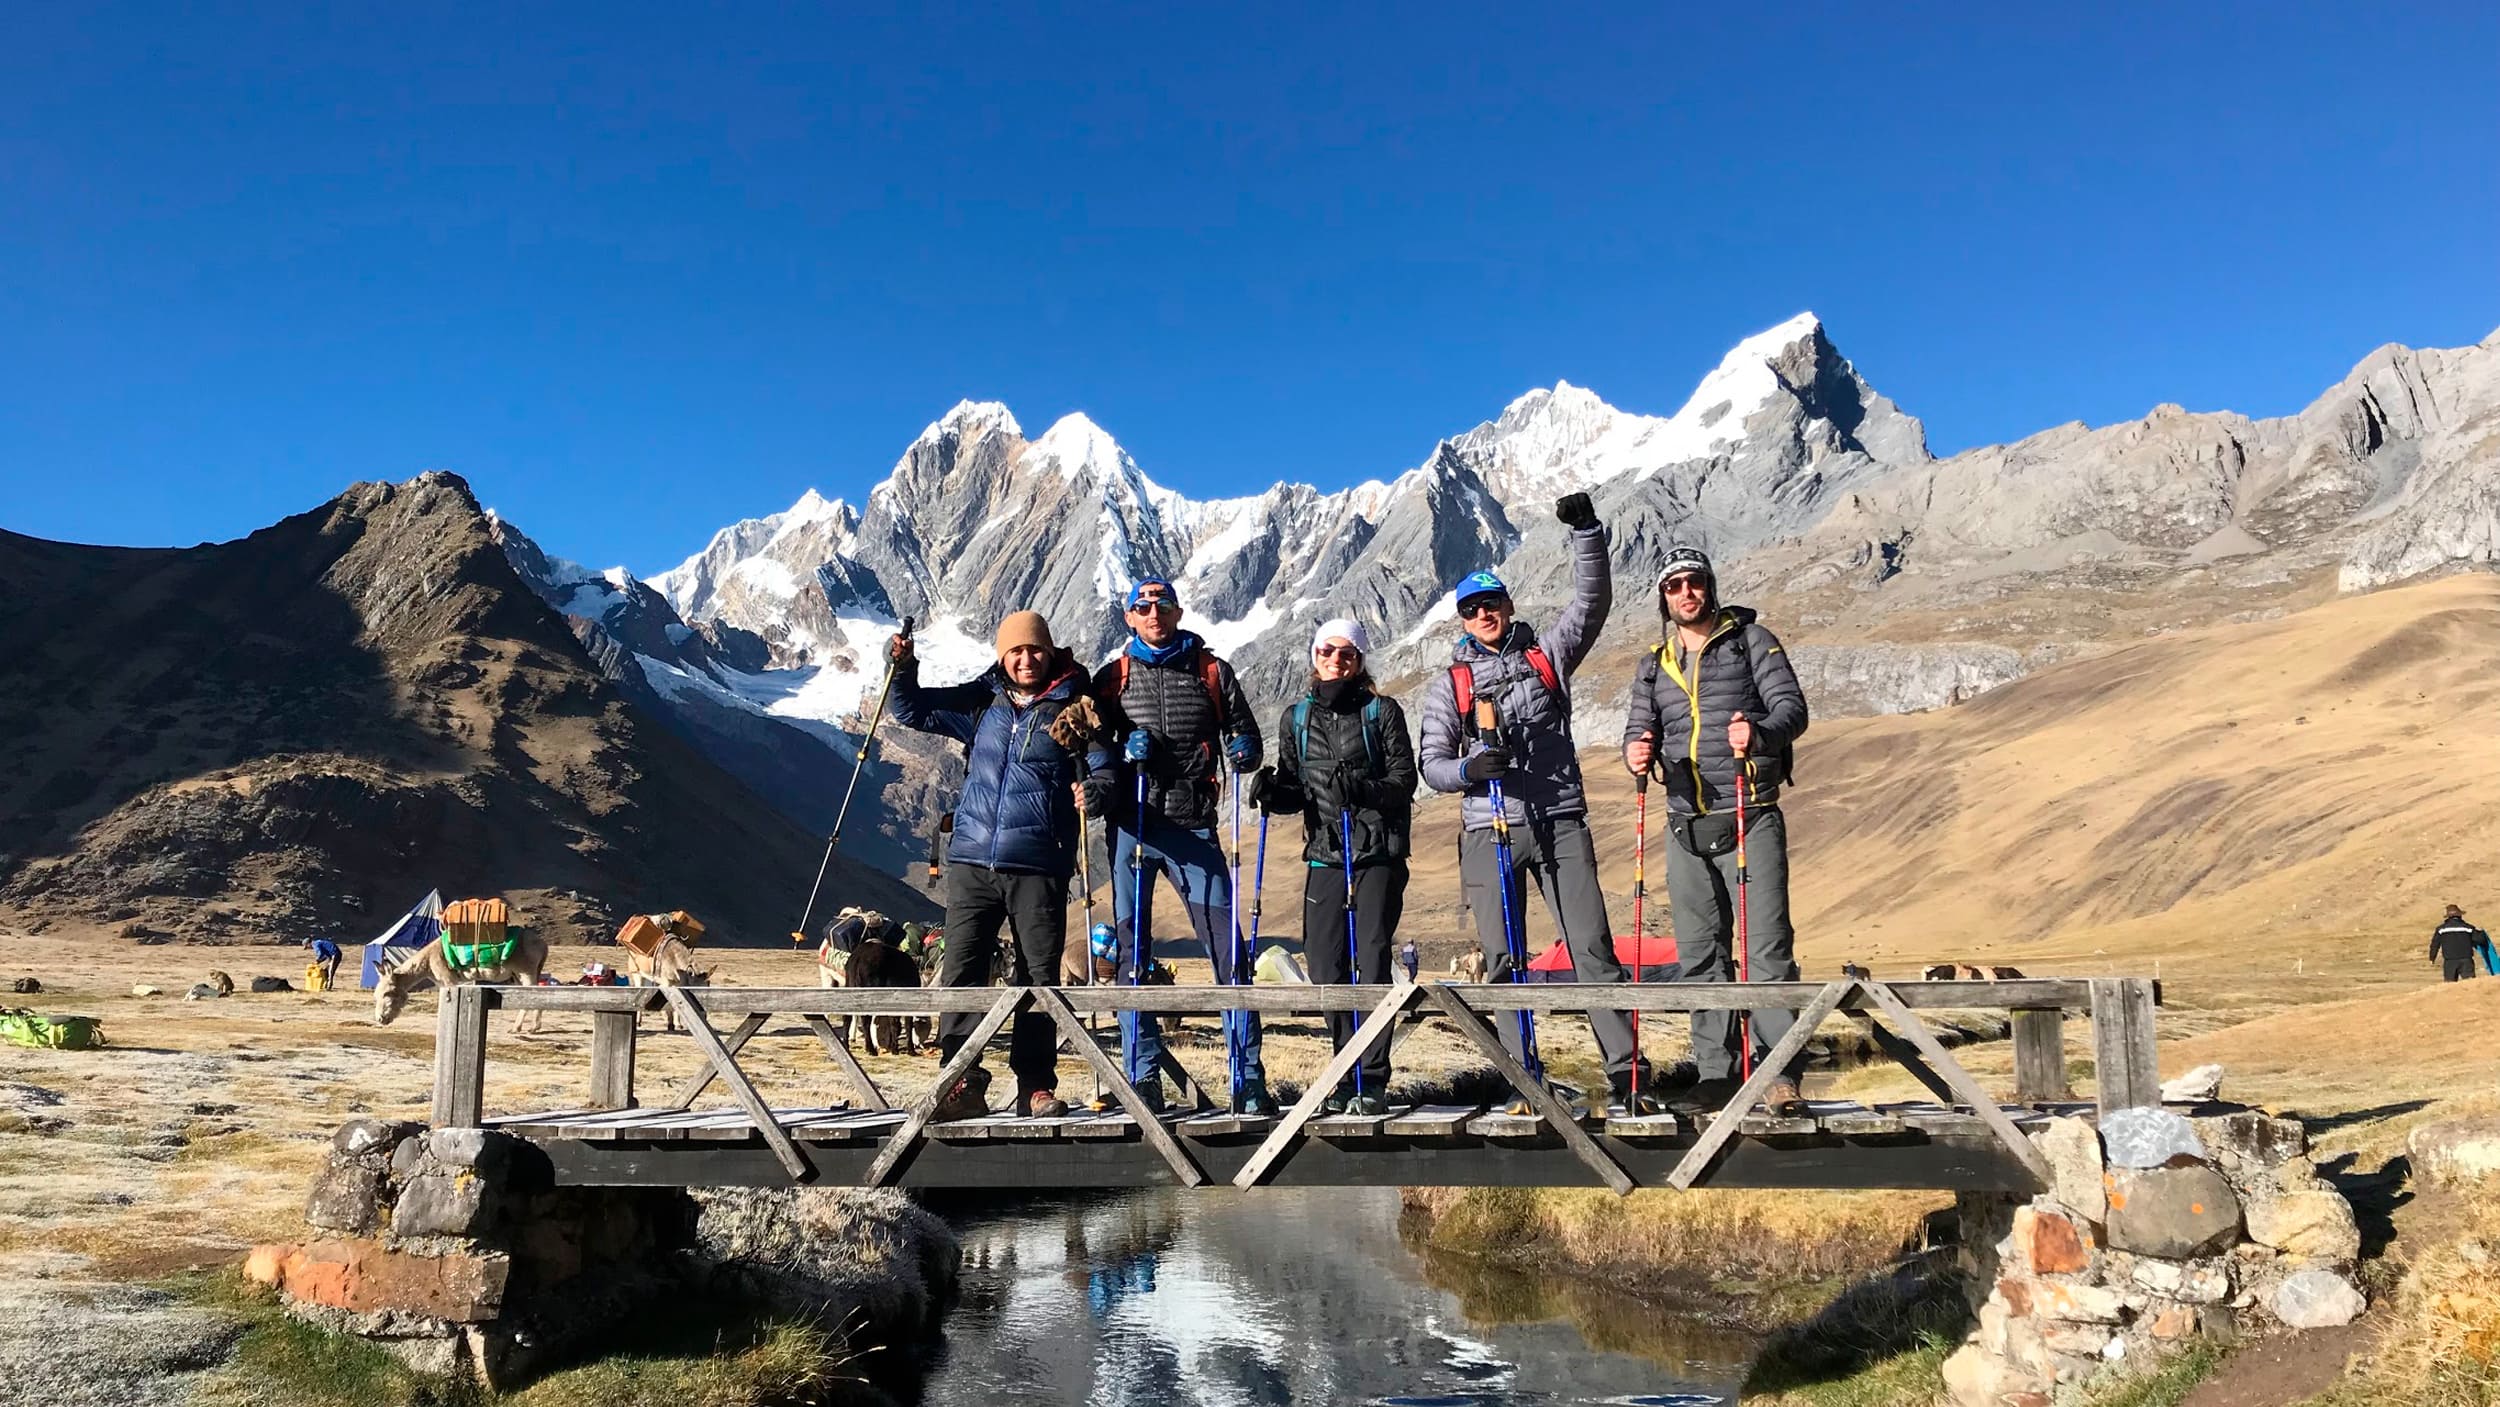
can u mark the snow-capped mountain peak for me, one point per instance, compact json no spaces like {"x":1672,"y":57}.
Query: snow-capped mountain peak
{"x":971,"y":419}
{"x":1076,"y":446}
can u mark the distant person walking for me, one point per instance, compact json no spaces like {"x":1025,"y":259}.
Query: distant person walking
{"x":1014,"y":845}
{"x":1716,"y":707}
{"x":1182,"y":720}
{"x":1527,"y":757}
{"x":1344,"y":764}
{"x":2456,"y":945}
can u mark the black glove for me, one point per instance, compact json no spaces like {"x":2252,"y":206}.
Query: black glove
{"x":1488,"y":764}
{"x":1096,"y":793}
{"x":1576,"y":512}
{"x":1260,"y":786}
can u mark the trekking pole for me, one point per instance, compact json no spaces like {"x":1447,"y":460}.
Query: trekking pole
{"x":1744,"y":966}
{"x":1131,"y":1023}
{"x":1512,"y":941}
{"x":858,"y":765}
{"x":1640,"y":933}
{"x":1353,"y":957}
{"x":1236,"y":1035}
{"x":1085,"y":866}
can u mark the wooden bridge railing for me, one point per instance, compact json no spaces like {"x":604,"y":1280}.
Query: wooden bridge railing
{"x":2120,"y":1009}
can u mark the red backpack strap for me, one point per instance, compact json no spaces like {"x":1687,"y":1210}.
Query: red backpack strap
{"x":1463,"y":685}
{"x":1543,"y":664}
{"x":1119,"y":676}
{"x":1211,"y":673}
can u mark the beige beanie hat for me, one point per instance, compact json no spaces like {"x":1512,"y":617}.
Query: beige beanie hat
{"x":1024,"y":628}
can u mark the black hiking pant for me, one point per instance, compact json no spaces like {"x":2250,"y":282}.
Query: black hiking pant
{"x":978,"y":901}
{"x":1702,"y":890}
{"x":1379,"y":901}
{"x":2457,"y":969}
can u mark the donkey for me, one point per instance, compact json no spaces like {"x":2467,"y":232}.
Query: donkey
{"x":671,"y":964}
{"x":431,"y":967}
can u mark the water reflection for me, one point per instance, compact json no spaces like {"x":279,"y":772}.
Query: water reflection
{"x":1277,"y":1297}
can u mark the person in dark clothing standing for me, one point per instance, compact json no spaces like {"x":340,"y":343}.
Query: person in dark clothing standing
{"x":2455,"y":945}
{"x":1714,"y":707}
{"x":1526,"y":676}
{"x":1344,"y":763}
{"x":1183,"y":719}
{"x":1014,"y":844}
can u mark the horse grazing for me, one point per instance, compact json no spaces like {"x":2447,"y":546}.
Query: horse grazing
{"x":878,"y":963}
{"x":431,"y":967}
{"x":671,"y":964}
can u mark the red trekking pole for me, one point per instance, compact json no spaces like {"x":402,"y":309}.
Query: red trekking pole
{"x":1744,"y":968}
{"x":1640,"y":860}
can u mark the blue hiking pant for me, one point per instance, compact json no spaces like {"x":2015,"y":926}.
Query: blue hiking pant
{"x":1195,"y":865}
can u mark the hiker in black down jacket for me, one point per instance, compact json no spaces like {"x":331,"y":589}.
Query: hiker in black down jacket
{"x":1343,"y":762}
{"x":1177,"y":718}
{"x":1714,"y":701}
{"x":2455,"y":944}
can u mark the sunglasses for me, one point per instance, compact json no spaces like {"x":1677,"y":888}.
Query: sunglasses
{"x":1476,"y":606}
{"x":1148,"y":604}
{"x":1692,"y":585}
{"x":1336,"y":652}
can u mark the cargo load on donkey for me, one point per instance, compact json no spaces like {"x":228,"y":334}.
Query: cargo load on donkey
{"x":480,"y":945}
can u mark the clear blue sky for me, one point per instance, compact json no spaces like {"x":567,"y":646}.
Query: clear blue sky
{"x":637,"y":271}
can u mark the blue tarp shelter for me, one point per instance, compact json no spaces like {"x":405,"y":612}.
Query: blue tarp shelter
{"x":404,"y":939}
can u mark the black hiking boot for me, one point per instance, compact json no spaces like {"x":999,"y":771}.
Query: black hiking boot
{"x":1333,"y":1104}
{"x":1366,"y":1106}
{"x":969,"y":1099}
{"x":1704,"y":1097}
{"x":1623,"y":1103}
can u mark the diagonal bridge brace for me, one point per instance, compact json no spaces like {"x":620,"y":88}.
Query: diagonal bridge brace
{"x":1939,"y":1067}
{"x":707,"y":1041}
{"x":1283,"y":1137}
{"x":1552,"y":1110}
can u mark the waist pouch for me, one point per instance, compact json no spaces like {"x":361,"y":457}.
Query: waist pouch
{"x":1705,"y":836}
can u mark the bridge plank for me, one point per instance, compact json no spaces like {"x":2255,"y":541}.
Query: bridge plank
{"x":852,"y":1125}
{"x":1221,"y":1125}
{"x":1432,"y":1121}
{"x":1354,"y":1126}
{"x":1646,"y":1126}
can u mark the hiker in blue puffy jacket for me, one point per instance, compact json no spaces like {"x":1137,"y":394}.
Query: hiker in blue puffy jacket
{"x":1182,"y":720}
{"x":1015,"y":842}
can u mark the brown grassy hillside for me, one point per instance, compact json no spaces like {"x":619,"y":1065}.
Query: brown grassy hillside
{"x":305,"y":729}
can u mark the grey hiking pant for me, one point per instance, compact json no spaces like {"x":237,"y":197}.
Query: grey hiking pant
{"x":1702,"y":891}
{"x":1559,"y":854}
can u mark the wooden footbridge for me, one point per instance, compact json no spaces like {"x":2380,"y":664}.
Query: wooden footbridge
{"x":1962,"y":1137}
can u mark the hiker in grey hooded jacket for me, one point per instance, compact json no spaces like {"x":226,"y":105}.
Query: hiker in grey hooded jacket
{"x":1717,"y":685}
{"x":1527,"y":679}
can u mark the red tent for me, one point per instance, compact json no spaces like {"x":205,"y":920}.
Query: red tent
{"x":1654,"y":957}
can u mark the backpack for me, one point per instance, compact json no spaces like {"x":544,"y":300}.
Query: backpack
{"x":1463,"y":681}
{"x":20,"y":1026}
{"x":1210,"y":673}
{"x":1371,"y":724}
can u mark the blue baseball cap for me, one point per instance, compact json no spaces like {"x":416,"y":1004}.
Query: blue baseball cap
{"x":1478,"y":584}
{"x":1171,"y":593}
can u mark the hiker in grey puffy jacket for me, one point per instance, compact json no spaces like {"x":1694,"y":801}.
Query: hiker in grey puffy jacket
{"x":1714,"y":702}
{"x":1506,"y":662}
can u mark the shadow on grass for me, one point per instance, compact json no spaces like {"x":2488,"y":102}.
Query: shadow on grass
{"x":2328,"y":1123}
{"x":1880,"y":1340}
{"x":701,"y":1350}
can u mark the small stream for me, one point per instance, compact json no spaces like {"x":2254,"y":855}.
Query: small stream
{"x":1287,"y":1296}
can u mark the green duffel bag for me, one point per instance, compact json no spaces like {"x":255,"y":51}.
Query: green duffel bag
{"x":20,"y":1026}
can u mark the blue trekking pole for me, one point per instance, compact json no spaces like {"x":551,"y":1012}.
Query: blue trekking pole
{"x":1353,"y":959}
{"x":1512,"y":942}
{"x":1236,"y":1023}
{"x":1131,"y":1022}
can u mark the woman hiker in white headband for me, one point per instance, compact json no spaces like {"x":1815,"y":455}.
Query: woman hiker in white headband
{"x":1344,"y":762}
